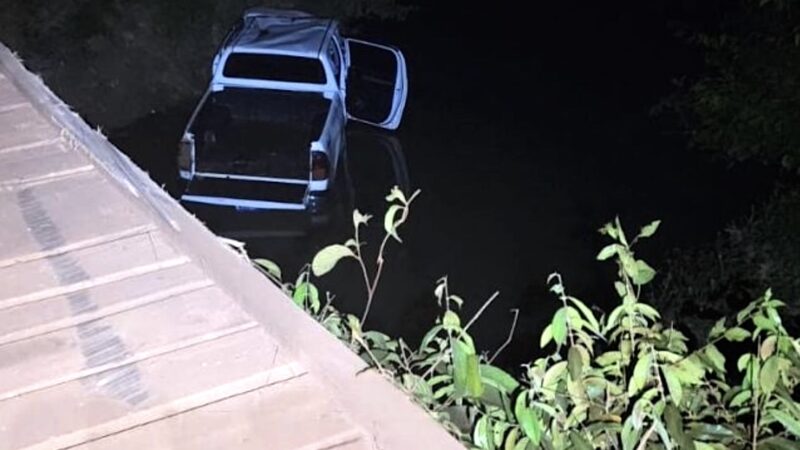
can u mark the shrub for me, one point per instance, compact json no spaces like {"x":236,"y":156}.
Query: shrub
{"x":623,"y":380}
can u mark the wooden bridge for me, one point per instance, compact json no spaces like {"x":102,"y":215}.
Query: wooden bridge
{"x":125,"y":324}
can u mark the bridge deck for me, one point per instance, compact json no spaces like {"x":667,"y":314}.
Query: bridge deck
{"x":125,"y":324}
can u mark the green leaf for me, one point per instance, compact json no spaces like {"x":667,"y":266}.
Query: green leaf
{"x":647,"y":311}
{"x":594,"y":325}
{"x":640,"y":375}
{"x":643,"y":273}
{"x":498,"y":378}
{"x":711,"y":432}
{"x":528,"y":419}
{"x":609,"y":358}
{"x":511,"y":439}
{"x":575,"y":363}
{"x":673,"y":384}
{"x":306,"y":294}
{"x":500,"y":430}
{"x":579,"y":442}
{"x":559,"y":324}
{"x":715,"y":357}
{"x":743,"y":361}
{"x":547,"y":336}
{"x":522,"y":444}
{"x":613,"y":318}
{"x":717,"y":330}
{"x":620,"y":288}
{"x":326,"y":259}
{"x":396,"y":194}
{"x":689,"y":371}
{"x":466,"y":370}
{"x":553,"y":374}
{"x":269,"y":266}
{"x":630,"y":435}
{"x":777,"y":443}
{"x":649,"y":229}
{"x":482,"y":434}
{"x":662,"y":433}
{"x":607,"y":252}
{"x":389,"y":223}
{"x":609,"y":229}
{"x":451,"y":321}
{"x":740,"y":398}
{"x":763,"y":323}
{"x":360,"y":219}
{"x":674,"y":422}
{"x":768,"y":377}
{"x":790,"y":423}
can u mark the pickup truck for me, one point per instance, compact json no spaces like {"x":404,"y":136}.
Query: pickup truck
{"x":268,"y":133}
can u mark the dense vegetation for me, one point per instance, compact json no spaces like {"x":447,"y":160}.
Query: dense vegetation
{"x":622,"y":380}
{"x":745,"y":106}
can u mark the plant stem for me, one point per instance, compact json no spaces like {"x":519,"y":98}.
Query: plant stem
{"x":510,"y":336}
{"x":480,"y":311}
{"x":439,"y":360}
{"x":755,"y":397}
{"x":643,"y":443}
{"x":372,"y":287}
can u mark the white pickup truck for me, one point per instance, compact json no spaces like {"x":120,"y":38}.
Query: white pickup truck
{"x":269,"y":131}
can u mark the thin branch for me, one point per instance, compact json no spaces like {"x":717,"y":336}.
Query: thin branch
{"x":480,"y":311}
{"x":643,"y":443}
{"x":510,"y":336}
{"x":371,"y":288}
{"x":439,"y":360}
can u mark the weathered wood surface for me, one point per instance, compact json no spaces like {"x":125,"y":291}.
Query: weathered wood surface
{"x":124,"y":324}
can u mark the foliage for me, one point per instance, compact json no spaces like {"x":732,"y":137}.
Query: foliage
{"x":623,"y":380}
{"x":720,"y":277}
{"x":747,"y":104}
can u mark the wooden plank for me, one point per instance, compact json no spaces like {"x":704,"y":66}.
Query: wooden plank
{"x":93,"y":266}
{"x":54,"y":357}
{"x":75,"y":412}
{"x":9,"y":94}
{"x":79,"y":245}
{"x":25,"y":181}
{"x":48,"y":315}
{"x":20,"y":126}
{"x":51,"y":215}
{"x":297,"y":414}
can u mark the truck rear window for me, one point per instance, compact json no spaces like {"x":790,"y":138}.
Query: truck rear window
{"x":274,"y":67}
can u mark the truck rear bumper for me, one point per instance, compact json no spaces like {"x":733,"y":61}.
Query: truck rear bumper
{"x":240,"y":203}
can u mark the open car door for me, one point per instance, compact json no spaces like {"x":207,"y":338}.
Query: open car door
{"x":377,"y":84}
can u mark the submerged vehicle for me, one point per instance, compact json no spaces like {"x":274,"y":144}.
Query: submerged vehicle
{"x":269,"y":131}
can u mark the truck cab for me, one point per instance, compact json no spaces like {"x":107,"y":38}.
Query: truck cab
{"x":269,"y":131}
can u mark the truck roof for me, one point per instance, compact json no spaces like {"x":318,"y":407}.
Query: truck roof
{"x":286,"y":32}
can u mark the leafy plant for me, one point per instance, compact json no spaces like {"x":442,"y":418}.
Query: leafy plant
{"x":623,"y":380}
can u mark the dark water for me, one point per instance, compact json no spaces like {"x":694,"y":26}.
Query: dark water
{"x":525,"y":134}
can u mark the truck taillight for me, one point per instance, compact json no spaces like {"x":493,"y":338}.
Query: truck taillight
{"x":185,"y":155}
{"x":319,"y":166}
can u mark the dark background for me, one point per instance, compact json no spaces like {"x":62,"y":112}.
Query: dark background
{"x":525,"y":131}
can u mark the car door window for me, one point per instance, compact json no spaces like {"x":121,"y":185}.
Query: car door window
{"x":377,"y":84}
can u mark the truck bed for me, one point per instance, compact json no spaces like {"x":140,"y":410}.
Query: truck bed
{"x":258,"y":132}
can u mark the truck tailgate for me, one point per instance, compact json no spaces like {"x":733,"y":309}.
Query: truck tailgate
{"x":258,"y":132}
